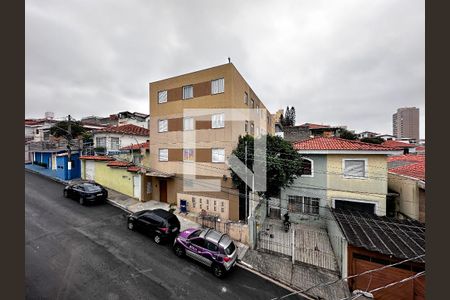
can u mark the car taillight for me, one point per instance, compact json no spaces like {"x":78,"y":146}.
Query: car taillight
{"x":165,"y":229}
{"x":226,"y":259}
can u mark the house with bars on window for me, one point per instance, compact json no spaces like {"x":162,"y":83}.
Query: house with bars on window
{"x":109,"y":140}
{"x":337,"y":173}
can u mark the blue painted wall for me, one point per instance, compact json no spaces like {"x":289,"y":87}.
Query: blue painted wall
{"x":61,"y":164}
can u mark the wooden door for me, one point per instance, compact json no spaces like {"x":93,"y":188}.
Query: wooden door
{"x":163,"y":191}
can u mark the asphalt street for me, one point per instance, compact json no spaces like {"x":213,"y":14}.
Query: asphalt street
{"x":87,"y":252}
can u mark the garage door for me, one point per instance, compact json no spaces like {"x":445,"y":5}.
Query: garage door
{"x":90,"y":170}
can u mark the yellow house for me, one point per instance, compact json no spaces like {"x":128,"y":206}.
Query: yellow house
{"x":124,"y":173}
{"x":342,"y":174}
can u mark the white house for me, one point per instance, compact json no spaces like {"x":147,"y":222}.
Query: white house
{"x":115,"y":137}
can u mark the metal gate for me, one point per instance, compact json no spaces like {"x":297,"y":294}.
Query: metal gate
{"x":301,"y":243}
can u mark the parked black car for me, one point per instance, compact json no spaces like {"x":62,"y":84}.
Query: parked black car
{"x":86,"y":192}
{"x":159,"y":223}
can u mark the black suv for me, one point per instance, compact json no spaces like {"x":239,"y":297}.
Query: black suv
{"x":159,"y":223}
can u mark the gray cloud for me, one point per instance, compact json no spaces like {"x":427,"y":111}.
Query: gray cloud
{"x":338,"y":62}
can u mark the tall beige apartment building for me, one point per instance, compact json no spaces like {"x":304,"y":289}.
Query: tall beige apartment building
{"x":192,"y":130}
{"x":405,"y":123}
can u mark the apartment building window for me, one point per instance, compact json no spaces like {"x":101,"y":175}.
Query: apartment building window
{"x":257,"y":109}
{"x":162,"y":125}
{"x":218,"y":120}
{"x":217,"y":86}
{"x":163,"y":154}
{"x":245,"y":98}
{"x":188,"y":91}
{"x":188,"y":123}
{"x":355,"y":168}
{"x":218,"y":155}
{"x":188,"y":154}
{"x":100,"y":142}
{"x":252,"y":103}
{"x":162,"y":96}
{"x":305,"y":205}
{"x":115,"y":143}
{"x":252,"y":128}
{"x":193,"y":202}
{"x":246,"y":126}
{"x":137,"y":158}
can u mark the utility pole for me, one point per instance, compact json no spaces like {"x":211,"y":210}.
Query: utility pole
{"x":246,"y":183}
{"x":69,"y":140}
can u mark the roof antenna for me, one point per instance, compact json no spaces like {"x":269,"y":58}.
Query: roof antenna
{"x":229,"y":60}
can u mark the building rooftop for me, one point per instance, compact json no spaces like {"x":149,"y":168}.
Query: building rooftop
{"x":338,"y":144}
{"x":402,"y":239}
{"x":92,"y":157}
{"x":145,"y":145}
{"x":126,"y":129}
{"x":396,"y":144}
{"x":408,"y":165}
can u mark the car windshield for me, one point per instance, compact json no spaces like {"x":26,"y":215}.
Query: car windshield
{"x":230,"y":249}
{"x":91,"y":188}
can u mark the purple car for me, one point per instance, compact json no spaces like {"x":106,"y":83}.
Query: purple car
{"x":210,"y":247}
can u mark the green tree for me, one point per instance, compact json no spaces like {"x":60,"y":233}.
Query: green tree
{"x":61,"y":129}
{"x":373,"y":140}
{"x":283,"y":164}
{"x":348,"y":135}
{"x":292,"y":116}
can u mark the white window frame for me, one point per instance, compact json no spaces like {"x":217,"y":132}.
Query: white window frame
{"x":165,"y":156}
{"x":166,"y":126}
{"x":219,"y":89}
{"x":164,"y":99}
{"x":191,"y":121}
{"x":102,"y":138}
{"x":114,"y":146}
{"x":190,"y":157}
{"x":185,"y":88}
{"x":355,"y":177}
{"x":303,"y":206}
{"x":212,"y":155}
{"x":312,"y":167}
{"x":218,"y":120}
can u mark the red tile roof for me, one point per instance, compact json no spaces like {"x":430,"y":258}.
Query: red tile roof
{"x":119,"y":164}
{"x":137,"y":146}
{"x":126,"y":129}
{"x":91,"y":157}
{"x":133,"y":169}
{"x":420,"y":148}
{"x":407,"y":157}
{"x":396,"y":144}
{"x":416,"y":168}
{"x":334,"y":143}
{"x":416,"y":171}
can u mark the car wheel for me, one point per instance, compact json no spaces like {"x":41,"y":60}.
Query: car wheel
{"x":66,"y":195}
{"x":179,"y":250}
{"x":130,"y":225}
{"x":81,"y":200}
{"x":157,"y":239}
{"x":218,"y":271}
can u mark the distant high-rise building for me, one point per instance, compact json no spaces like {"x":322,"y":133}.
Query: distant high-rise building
{"x":405,"y":123}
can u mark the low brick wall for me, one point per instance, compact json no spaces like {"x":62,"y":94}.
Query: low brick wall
{"x":237,"y":231}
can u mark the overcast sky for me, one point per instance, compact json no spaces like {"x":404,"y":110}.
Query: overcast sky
{"x":338,"y":62}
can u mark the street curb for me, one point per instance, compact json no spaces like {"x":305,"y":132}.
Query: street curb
{"x":111,"y":202}
{"x":248,"y":267}
{"x":49,"y":177}
{"x":63,"y":182}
